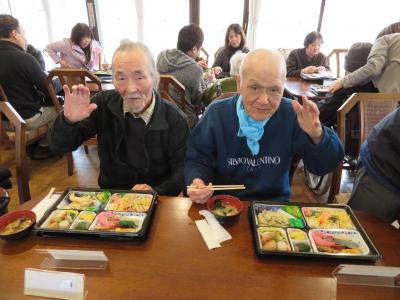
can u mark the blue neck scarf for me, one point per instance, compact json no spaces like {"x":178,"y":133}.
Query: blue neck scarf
{"x":249,"y":128}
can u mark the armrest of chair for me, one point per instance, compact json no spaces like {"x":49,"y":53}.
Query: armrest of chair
{"x":341,"y":115}
{"x":11,"y":114}
{"x":19,"y":126}
{"x":52,"y":92}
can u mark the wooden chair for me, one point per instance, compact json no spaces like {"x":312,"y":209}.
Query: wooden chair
{"x":172,"y":90}
{"x":72,"y":77}
{"x":337,"y":54}
{"x":373,"y":107}
{"x":20,"y":137}
{"x":284,"y":52}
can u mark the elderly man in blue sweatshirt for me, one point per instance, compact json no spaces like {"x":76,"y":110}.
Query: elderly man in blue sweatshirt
{"x":251,"y":138}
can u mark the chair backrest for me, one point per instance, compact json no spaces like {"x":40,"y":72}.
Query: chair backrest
{"x":205,"y":52}
{"x":69,"y":77}
{"x":373,"y":107}
{"x":337,"y":54}
{"x":172,"y":90}
{"x":72,"y":77}
{"x":284,"y":52}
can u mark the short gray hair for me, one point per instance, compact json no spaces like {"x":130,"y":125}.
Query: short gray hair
{"x":235,"y":62}
{"x":128,"y":46}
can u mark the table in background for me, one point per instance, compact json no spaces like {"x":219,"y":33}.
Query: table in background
{"x":299,"y":87}
{"x":174,"y":263}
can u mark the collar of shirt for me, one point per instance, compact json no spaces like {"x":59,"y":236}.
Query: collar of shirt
{"x":144,"y":115}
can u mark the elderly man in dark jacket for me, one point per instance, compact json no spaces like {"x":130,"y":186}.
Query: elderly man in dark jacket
{"x":141,"y":137}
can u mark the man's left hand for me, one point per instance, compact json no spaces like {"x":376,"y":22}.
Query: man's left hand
{"x":308,"y":118}
{"x":142,"y":187}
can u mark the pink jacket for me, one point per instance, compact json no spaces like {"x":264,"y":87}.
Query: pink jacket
{"x":74,"y":55}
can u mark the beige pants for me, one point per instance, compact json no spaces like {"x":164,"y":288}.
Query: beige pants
{"x":46,"y":115}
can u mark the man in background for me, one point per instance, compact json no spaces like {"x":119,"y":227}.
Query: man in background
{"x":180,"y":62}
{"x":23,"y":80}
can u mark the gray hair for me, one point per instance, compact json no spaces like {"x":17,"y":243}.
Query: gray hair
{"x":235,"y":62}
{"x":128,"y":46}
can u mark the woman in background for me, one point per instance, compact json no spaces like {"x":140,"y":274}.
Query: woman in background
{"x":308,"y":59}
{"x":235,"y":40}
{"x":78,"y":51}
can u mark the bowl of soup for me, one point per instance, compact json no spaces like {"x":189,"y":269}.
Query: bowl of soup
{"x":16,"y":224}
{"x":225,"y":207}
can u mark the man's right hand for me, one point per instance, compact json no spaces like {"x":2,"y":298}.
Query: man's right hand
{"x":77,"y":106}
{"x":309,"y":70}
{"x":201,"y":193}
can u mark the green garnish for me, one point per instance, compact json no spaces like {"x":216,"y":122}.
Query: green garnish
{"x":293,"y":210}
{"x":103,"y":197}
{"x":218,"y":204}
{"x":82,"y":226}
{"x":127,"y":224}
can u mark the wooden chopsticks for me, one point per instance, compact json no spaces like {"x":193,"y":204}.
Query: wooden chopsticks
{"x":220,"y":187}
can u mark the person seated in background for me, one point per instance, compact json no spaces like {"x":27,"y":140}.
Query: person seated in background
{"x":251,"y":138}
{"x":78,"y":51}
{"x":235,"y":40}
{"x":180,"y":63}
{"x":227,"y":84}
{"x":37,"y":54}
{"x":307,"y":60}
{"x":382,"y":67}
{"x":355,"y":58}
{"x":392,"y":28}
{"x":141,"y":137}
{"x":377,"y":184}
{"x":22,"y":79}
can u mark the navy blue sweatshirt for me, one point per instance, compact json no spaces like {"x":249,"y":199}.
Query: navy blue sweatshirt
{"x":216,"y":154}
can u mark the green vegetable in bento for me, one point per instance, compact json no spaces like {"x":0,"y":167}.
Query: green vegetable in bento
{"x":293,"y":210}
{"x":127,"y":224}
{"x":82,"y":226}
{"x":103,"y":197}
{"x":302,"y":247}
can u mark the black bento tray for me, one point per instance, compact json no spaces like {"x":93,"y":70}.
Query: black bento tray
{"x":372,"y":255}
{"x":139,"y":235}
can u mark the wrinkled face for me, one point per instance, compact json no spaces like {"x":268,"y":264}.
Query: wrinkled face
{"x":85,"y":42}
{"x":313,"y":48}
{"x":20,"y":37}
{"x":234,"y":39}
{"x":133,"y":80}
{"x":261,"y":89}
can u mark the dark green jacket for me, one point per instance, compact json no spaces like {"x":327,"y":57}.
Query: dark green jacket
{"x":165,"y":144}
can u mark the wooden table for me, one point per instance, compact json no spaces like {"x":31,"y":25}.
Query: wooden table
{"x":299,"y":87}
{"x":174,"y":263}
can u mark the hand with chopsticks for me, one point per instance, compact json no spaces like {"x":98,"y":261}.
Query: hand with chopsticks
{"x":199,"y":192}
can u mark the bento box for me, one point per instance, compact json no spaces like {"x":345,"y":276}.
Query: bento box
{"x":99,"y":213}
{"x":309,"y":230}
